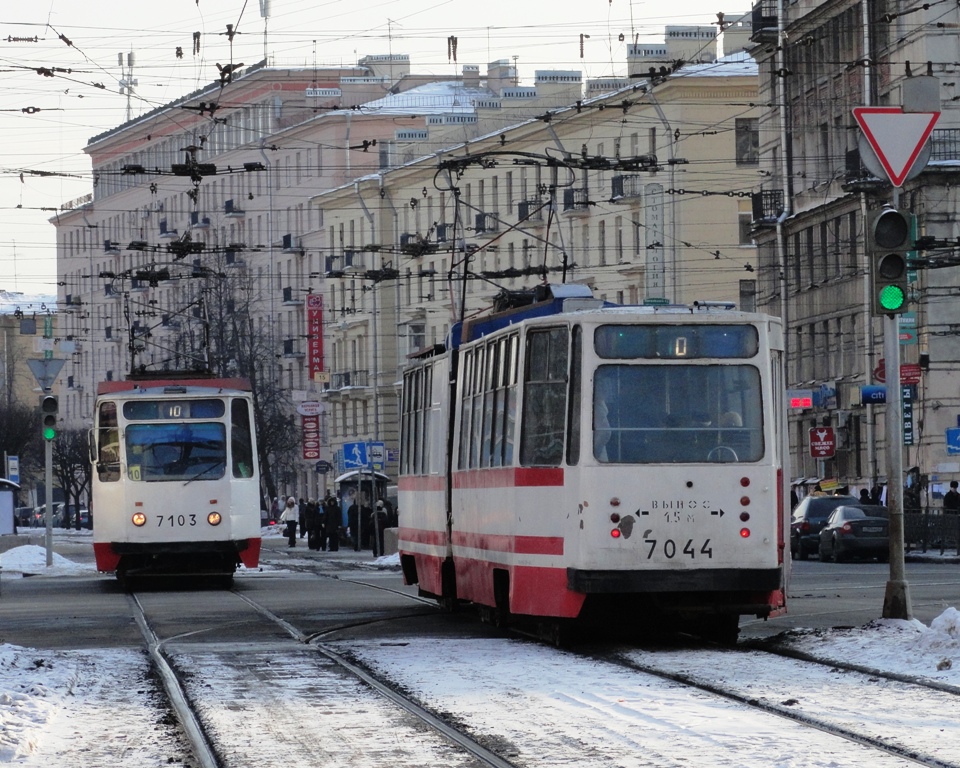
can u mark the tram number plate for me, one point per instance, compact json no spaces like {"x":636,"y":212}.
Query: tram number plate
{"x":677,"y":548}
{"x":176,"y":521}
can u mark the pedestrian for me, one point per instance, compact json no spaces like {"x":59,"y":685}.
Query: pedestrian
{"x":865,"y":497}
{"x":314,"y":522}
{"x":303,"y":523}
{"x":331,"y":524}
{"x":379,"y":522}
{"x":290,"y":516}
{"x":275,"y":509}
{"x":951,"y":500}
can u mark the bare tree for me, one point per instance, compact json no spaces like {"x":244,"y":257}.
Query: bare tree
{"x":72,"y":471}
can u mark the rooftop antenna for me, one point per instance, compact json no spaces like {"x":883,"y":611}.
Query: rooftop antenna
{"x":265,"y":13}
{"x":127,"y":81}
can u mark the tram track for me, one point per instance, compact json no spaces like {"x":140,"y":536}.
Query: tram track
{"x":205,"y":748}
{"x":789,"y":704}
{"x":461,"y":729}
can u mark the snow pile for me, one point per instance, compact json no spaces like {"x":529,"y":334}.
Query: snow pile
{"x":32,"y":559}
{"x":906,"y":647}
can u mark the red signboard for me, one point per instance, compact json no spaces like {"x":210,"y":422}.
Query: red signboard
{"x":314,"y":310}
{"x":823,"y":442}
{"x":311,"y":437}
{"x":910,"y":373}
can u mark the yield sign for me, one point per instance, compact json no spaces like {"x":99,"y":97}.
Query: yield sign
{"x":896,"y":136}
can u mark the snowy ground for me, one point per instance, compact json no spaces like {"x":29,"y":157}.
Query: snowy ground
{"x":73,"y":703}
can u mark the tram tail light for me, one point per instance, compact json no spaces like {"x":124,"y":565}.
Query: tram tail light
{"x":139,"y":519}
{"x":615,"y":533}
{"x":214,"y":518}
{"x":744,"y":533}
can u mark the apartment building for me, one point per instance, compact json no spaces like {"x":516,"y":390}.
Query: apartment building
{"x":810,"y":219}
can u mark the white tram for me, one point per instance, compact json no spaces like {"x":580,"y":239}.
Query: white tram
{"x":175,"y":481}
{"x":572,"y":459}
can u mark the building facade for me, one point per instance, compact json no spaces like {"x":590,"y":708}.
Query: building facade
{"x":404,"y":211}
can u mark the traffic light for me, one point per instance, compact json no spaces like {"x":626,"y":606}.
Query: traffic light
{"x":48,"y":411}
{"x":889,"y":239}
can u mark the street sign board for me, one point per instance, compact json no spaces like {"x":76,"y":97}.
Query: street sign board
{"x":354,"y":456}
{"x":823,"y":442}
{"x":896,"y":136}
{"x":310,"y":408}
{"x":953,"y":440}
{"x":800,"y":398}
{"x":311,"y":437}
{"x":323,"y":467}
{"x":377,"y":454}
{"x":873,"y":394}
{"x":45,"y":371}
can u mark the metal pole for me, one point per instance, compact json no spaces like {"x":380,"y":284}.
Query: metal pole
{"x":896,"y":600}
{"x":48,"y":469}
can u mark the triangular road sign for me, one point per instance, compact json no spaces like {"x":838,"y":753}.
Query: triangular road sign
{"x":896,"y":136}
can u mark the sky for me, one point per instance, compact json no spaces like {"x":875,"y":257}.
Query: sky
{"x":61,"y":707}
{"x":45,"y":121}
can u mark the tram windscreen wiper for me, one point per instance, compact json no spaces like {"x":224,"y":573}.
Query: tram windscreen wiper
{"x":202,"y":472}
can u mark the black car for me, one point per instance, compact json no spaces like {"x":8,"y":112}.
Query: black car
{"x":808,"y":519}
{"x":861,"y":531}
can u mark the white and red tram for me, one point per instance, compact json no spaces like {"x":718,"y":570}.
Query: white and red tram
{"x":573,"y":459}
{"x":176,"y":486}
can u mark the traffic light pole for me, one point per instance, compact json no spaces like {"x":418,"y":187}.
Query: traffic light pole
{"x":48,"y":469}
{"x":896,"y":600}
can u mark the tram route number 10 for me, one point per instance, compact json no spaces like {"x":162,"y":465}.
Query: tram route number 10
{"x":671,"y":549}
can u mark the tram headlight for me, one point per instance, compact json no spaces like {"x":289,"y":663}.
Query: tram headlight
{"x":214,"y":518}
{"x":139,"y":519}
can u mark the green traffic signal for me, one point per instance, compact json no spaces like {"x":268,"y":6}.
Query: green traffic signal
{"x":889,"y":240}
{"x":49,"y":408}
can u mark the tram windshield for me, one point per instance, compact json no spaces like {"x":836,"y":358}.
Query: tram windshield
{"x":176,"y":452}
{"x":677,"y":414}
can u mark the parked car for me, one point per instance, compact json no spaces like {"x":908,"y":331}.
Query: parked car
{"x":861,"y":531}
{"x":809,"y":518}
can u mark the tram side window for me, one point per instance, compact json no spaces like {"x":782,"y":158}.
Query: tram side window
{"x":417,"y":423}
{"x":241,"y":439}
{"x":108,"y":444}
{"x":544,"y":398}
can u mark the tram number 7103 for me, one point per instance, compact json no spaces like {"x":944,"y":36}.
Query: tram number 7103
{"x":671,"y":549}
{"x":176,"y":521}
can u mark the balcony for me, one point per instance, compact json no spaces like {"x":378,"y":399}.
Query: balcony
{"x":166,"y":233}
{"x":112,"y":249}
{"x":945,"y":144}
{"x":232,"y":258}
{"x":288,"y":244}
{"x":136,"y":284}
{"x":232,"y":212}
{"x":412,"y":244}
{"x":348,"y":379}
{"x":530,"y":210}
{"x":575,"y":199}
{"x":110,"y":292}
{"x":486,"y":224}
{"x":767,"y":207}
{"x":627,"y":187}
{"x":291,"y":297}
{"x":199,"y":222}
{"x":764,"y":21}
{"x":291,"y":348}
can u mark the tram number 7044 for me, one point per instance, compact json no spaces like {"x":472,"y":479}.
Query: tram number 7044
{"x":670,"y":548}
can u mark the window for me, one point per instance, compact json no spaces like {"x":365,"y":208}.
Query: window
{"x":677,"y":414}
{"x":544,"y":397}
{"x":241,"y":439}
{"x":747,"y":133}
{"x":108,"y":444}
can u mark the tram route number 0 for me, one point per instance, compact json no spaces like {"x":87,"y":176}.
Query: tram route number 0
{"x":671,"y":549}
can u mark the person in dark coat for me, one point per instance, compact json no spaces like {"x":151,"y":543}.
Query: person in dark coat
{"x":331,"y":524}
{"x":314,"y":522}
{"x":951,"y":500}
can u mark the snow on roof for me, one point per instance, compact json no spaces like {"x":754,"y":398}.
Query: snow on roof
{"x":431,"y":98}
{"x":29,"y":304}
